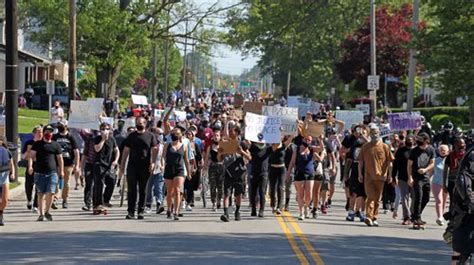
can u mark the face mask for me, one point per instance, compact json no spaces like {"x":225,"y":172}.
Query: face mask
{"x":140,"y":127}
{"x":375,"y":137}
{"x":174,"y":137}
{"x":409,"y":144}
{"x":420,"y":143}
{"x":61,"y":129}
{"x":305,"y":144}
{"x":56,"y":107}
{"x":48,"y":136}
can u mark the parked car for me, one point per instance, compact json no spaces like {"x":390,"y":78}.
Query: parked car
{"x":40,"y":100}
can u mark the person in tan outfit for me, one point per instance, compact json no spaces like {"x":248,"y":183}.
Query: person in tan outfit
{"x":375,"y":161}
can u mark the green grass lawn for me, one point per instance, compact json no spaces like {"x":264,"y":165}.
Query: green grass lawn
{"x":28,"y":118}
{"x":14,"y":184}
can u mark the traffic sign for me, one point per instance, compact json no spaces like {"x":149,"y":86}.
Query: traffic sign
{"x":373,"y":82}
{"x":50,"y":87}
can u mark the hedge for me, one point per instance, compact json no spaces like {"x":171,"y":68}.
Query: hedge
{"x":437,"y":121}
{"x":459,"y":113}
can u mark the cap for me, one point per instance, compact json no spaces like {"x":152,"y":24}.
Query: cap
{"x":62,"y":122}
{"x":48,"y":128}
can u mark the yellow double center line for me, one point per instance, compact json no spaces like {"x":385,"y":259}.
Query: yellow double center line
{"x":315,"y":258}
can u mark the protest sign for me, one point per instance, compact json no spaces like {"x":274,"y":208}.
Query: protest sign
{"x":350,"y":117}
{"x":180,"y":116}
{"x":405,"y":121}
{"x":84,"y":115}
{"x":314,"y":129}
{"x":97,"y":101}
{"x":108,"y":120}
{"x":129,"y":122}
{"x":139,"y":100}
{"x":306,"y":105}
{"x":228,"y":147}
{"x":365,"y":108}
{"x":288,"y":116}
{"x":158,"y":113}
{"x":293,"y":101}
{"x":238,"y":100}
{"x":385,"y":130}
{"x":253,"y":107}
{"x":262,"y":129}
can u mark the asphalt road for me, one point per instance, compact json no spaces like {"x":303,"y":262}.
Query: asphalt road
{"x":77,"y":237}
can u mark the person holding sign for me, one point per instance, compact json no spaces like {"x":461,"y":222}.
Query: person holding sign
{"x":260,"y":153}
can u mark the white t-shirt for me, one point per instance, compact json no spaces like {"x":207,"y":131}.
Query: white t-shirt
{"x":57,"y":114}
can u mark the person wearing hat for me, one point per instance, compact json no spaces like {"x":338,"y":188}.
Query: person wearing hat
{"x":420,"y":165}
{"x":375,"y":160}
{"x":49,"y":163}
{"x":71,"y":157}
{"x":7,"y":169}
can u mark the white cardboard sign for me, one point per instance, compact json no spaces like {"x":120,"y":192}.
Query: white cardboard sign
{"x":262,"y":129}
{"x":350,"y":117}
{"x":84,"y":115}
{"x":288,"y":116}
{"x":139,"y":100}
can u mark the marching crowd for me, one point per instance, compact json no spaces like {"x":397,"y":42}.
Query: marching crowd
{"x":164,"y":160}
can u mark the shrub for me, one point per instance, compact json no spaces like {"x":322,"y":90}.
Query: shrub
{"x":440,"y":119}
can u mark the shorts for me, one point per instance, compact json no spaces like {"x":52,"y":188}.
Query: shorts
{"x":4,"y":178}
{"x":46,"y":183}
{"x":235,"y":183}
{"x":304,"y":176}
{"x":355,"y":187}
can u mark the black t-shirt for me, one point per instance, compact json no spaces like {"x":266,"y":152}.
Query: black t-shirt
{"x":25,"y":146}
{"x":46,"y":153}
{"x":105,"y":155}
{"x":289,"y":154}
{"x":353,"y":154}
{"x":277,"y":157}
{"x":400,"y":163}
{"x":421,"y":159}
{"x":140,"y":145}
{"x":68,"y":144}
{"x":260,"y":158}
{"x":348,"y":141}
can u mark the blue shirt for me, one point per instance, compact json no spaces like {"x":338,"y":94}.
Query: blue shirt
{"x":438,"y":171}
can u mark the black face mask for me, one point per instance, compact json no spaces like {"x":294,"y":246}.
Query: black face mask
{"x":61,"y":129}
{"x":215,"y":142}
{"x":140,"y":127}
{"x":174,"y":137}
{"x":56,"y":107}
{"x":420,"y":143}
{"x":409,"y":144}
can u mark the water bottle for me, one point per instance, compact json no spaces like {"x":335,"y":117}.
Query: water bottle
{"x":61,"y":183}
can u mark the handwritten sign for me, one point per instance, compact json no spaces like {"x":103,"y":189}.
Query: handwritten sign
{"x":262,"y":129}
{"x":97,"y":101}
{"x":228,"y":147}
{"x":306,"y":105}
{"x":84,"y":115}
{"x":293,"y":101}
{"x":350,"y":117}
{"x":253,"y":107}
{"x":238,"y":100}
{"x":314,"y":129}
{"x":385,"y":130}
{"x":139,"y":100}
{"x":365,"y":108}
{"x":180,"y":115}
{"x":288,"y":116}
{"x":405,"y":121}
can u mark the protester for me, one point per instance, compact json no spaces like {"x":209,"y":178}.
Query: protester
{"x":439,"y":192}
{"x":215,"y":170}
{"x":155,"y":185}
{"x":57,"y":113}
{"x":7,"y":171}
{"x":32,"y":202}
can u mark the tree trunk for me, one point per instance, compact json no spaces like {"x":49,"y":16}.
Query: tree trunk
{"x":113,"y":79}
{"x":102,"y":76}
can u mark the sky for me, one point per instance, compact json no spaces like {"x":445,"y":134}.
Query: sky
{"x":226,"y":60}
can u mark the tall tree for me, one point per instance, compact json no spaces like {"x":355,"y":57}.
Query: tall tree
{"x":447,"y":49}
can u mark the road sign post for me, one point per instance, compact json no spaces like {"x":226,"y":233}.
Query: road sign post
{"x":50,"y":91}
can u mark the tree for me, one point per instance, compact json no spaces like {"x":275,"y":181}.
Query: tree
{"x":446,"y":49}
{"x":393,"y":37}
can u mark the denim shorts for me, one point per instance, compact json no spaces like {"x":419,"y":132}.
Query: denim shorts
{"x":4,"y":178}
{"x":46,"y":183}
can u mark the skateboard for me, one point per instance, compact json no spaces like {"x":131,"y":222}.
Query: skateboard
{"x":100,"y":211}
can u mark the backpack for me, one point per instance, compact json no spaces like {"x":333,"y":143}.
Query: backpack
{"x":5,"y":157}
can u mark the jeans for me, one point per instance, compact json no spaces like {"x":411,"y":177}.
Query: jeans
{"x":103,"y":175}
{"x":137,"y":175}
{"x":258,"y":184}
{"x":155,"y":183}
{"x":421,"y":189}
{"x":277,"y":179}
{"x":406,"y":197}
{"x":46,"y":183}
{"x":89,"y":187}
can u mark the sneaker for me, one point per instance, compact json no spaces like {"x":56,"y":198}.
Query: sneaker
{"x":54,"y":205}
{"x":315,"y":214}
{"x":278,"y":211}
{"x":324,"y":209}
{"x":406,"y":222}
{"x":108,"y":205}
{"x":48,"y":216}
{"x":306,"y":213}
{"x":357,"y":214}
{"x":301,"y":217}
{"x":368,"y":222}
{"x":260,"y":213}
{"x":29,"y":205}
{"x":214,"y":207}
{"x":40,"y":218}
{"x":254,"y":212}
{"x":329,"y":202}
{"x":237,"y":216}
{"x":180,"y":215}
{"x":375,"y":223}
{"x":183,"y":205}
{"x":189,"y":208}
{"x":141,"y":216}
{"x":350,"y":217}
{"x":159,"y":209}
{"x":35,"y":209}
{"x":130,"y":216}
{"x":65,"y":205}
{"x":148,"y":209}
{"x":176,"y":217}
{"x":224,"y":218}
{"x":362,"y":217}
{"x":287,"y":208}
{"x":168,"y":214}
{"x":86,"y":208}
{"x":77,"y":187}
{"x":440,"y":222}
{"x":218,"y":205}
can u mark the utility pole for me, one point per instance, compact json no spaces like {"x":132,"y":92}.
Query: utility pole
{"x":373,"y":62}
{"x":11,"y":73}
{"x":412,"y":62}
{"x":184,"y":58}
{"x":72,"y":51}
{"x":288,"y":81}
{"x":166,"y":57}
{"x":153,"y":77}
